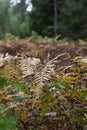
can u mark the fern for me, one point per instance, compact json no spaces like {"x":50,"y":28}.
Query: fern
{"x":6,"y":58}
{"x":1,"y":60}
{"x":28,"y":66}
{"x":44,"y":73}
{"x":11,"y":73}
{"x":76,"y":74}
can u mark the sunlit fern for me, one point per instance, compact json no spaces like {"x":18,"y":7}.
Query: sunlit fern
{"x":76,"y":73}
{"x":5,"y":58}
{"x":1,"y":60}
{"x":28,"y":66}
{"x":44,"y":74}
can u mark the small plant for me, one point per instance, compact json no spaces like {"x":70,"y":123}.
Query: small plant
{"x":3,"y":81}
{"x":9,"y":36}
{"x":82,"y":42}
{"x":35,"y":36}
{"x":8,"y":119}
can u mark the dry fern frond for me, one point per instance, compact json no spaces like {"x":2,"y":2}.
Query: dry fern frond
{"x":41,"y":77}
{"x":28,"y":66}
{"x":2,"y":60}
{"x":60,"y":55}
{"x":76,"y":74}
{"x":8,"y":57}
{"x":44,"y":73}
{"x":11,"y":73}
{"x":81,"y":60}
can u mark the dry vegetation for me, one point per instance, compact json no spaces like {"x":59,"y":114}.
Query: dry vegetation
{"x":43,"y":85}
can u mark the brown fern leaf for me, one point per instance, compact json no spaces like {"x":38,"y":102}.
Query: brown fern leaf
{"x":28,"y":66}
{"x":2,"y":60}
{"x":11,"y":72}
{"x":44,"y":74}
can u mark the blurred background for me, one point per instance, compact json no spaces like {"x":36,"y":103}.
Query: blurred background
{"x":24,"y":18}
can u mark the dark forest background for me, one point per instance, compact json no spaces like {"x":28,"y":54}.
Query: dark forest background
{"x":67,"y":18}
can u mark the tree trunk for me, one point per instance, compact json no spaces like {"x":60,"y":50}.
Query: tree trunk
{"x":55,"y":18}
{"x":23,"y":10}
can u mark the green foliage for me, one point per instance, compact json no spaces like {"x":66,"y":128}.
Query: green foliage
{"x":3,"y":82}
{"x":35,"y":36}
{"x":2,"y":107}
{"x":45,"y":102}
{"x":20,"y":86}
{"x":8,"y":120}
{"x":4,"y":17}
{"x":41,"y":19}
{"x":82,"y":42}
{"x":71,"y":20}
{"x":19,"y":98}
{"x":48,"y":100}
{"x":61,"y":84}
{"x":44,"y":110}
{"x":9,"y":36}
{"x":24,"y":30}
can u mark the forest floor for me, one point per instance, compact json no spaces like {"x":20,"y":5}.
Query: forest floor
{"x":41,"y":48}
{"x":63,"y":103}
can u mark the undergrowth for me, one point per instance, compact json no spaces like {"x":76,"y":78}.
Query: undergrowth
{"x":34,"y":94}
